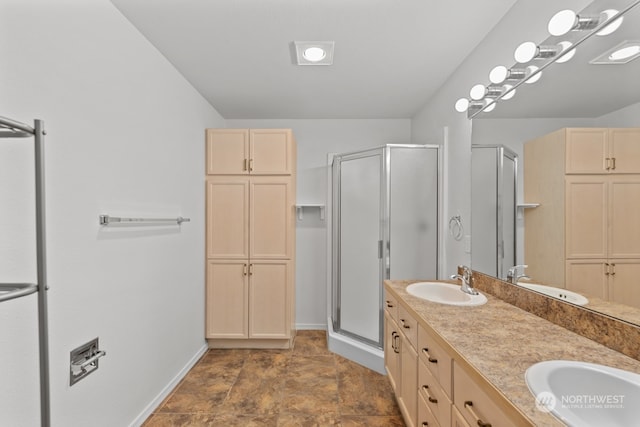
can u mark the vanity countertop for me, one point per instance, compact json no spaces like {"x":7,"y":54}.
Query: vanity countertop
{"x":500,"y":341}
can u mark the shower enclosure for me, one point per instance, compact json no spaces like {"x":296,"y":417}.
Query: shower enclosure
{"x":384,"y":226}
{"x":494,"y":173}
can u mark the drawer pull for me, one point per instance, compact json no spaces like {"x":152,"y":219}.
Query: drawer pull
{"x":429,"y":397}
{"x":425,"y":423}
{"x":389,"y":304}
{"x":404,"y":325}
{"x":469,"y":406}
{"x":429,"y":358}
{"x":394,"y":345}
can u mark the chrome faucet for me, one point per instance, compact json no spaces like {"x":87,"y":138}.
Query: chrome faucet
{"x":467,"y":280}
{"x":513,"y":276}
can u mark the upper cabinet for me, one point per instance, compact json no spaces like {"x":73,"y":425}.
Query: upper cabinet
{"x":250,"y":152}
{"x":602,"y":150}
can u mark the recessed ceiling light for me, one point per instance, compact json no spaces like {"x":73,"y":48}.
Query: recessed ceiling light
{"x":314,"y":53}
{"x":623,"y":53}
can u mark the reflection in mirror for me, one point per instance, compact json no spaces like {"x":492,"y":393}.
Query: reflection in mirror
{"x":576,"y":94}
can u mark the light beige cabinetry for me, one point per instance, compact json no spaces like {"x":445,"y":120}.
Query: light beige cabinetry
{"x":401,"y":358}
{"x":250,"y":237}
{"x":250,"y":152}
{"x":587,"y":182}
{"x":431,"y":388}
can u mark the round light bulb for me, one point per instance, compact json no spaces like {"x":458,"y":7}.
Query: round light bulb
{"x":508,"y":95}
{"x":562,"y":22}
{"x":565,"y":45}
{"x":525,"y":52}
{"x":498,"y":74}
{"x":530,"y":70}
{"x":491,"y":105}
{"x":610,"y":28}
{"x":314,"y":54}
{"x":477,"y":92}
{"x":462,"y":105}
{"x":624,"y":53}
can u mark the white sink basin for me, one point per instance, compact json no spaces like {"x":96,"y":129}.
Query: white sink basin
{"x":586,"y":394}
{"x":559,"y":293}
{"x":444,"y":293}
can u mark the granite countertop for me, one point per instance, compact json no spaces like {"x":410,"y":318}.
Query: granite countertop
{"x":500,"y":341}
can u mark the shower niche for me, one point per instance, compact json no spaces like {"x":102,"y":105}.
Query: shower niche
{"x":384,"y":225}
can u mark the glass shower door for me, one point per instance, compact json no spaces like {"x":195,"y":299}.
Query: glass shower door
{"x":358,"y":261}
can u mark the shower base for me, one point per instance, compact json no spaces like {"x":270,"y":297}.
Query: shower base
{"x":365,"y":355}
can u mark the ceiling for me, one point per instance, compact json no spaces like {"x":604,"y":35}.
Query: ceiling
{"x":390,"y":57}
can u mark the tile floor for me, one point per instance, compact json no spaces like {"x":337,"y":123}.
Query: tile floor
{"x":305,"y":386}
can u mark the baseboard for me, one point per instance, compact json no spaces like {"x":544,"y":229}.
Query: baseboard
{"x":311,"y":326}
{"x":168,"y":388}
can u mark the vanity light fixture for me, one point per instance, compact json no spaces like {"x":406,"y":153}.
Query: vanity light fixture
{"x":532,"y":71}
{"x":529,"y":51}
{"x":567,"y":20}
{"x":567,"y":56}
{"x":314,"y":52}
{"x":484,"y":98}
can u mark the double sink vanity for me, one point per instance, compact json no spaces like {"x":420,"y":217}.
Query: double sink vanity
{"x":456,"y":359}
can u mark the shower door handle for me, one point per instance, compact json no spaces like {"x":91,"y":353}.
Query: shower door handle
{"x":380,"y":249}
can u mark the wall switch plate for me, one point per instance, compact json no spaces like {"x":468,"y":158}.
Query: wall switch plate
{"x":84,"y":360}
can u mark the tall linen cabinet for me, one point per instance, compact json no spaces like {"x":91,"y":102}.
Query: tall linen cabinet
{"x":250,"y":238}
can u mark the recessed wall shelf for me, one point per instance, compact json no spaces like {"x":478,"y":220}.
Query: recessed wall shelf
{"x":301,"y":207}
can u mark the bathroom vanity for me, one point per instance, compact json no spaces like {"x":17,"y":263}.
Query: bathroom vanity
{"x":465,"y":365}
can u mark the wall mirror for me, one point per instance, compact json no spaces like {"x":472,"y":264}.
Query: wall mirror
{"x":576,"y":93}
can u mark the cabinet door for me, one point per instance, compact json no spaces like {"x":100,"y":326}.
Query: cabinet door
{"x":587,"y":277}
{"x":392,"y":352}
{"x":586,"y":150}
{"x":624,"y":216}
{"x":271,"y":152}
{"x":227,"y":151}
{"x":227,"y":218}
{"x":226,"y":299}
{"x":408,"y":399}
{"x":624,"y":286}
{"x":586,"y":216}
{"x":624,"y":147}
{"x":268,"y":297}
{"x":271,"y":218}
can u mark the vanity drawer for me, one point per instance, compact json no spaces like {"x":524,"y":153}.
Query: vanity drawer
{"x":434,"y":396}
{"x":474,"y":404}
{"x":435,"y":358}
{"x":425,"y":416}
{"x":391,"y":305}
{"x":408,"y":325}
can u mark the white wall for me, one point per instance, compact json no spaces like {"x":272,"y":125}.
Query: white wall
{"x":625,"y":117}
{"x":124,"y":137}
{"x":316,"y":139}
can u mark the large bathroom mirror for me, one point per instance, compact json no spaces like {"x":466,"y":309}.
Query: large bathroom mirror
{"x":577,"y":93}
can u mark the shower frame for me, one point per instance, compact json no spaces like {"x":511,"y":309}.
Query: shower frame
{"x":384,"y":245}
